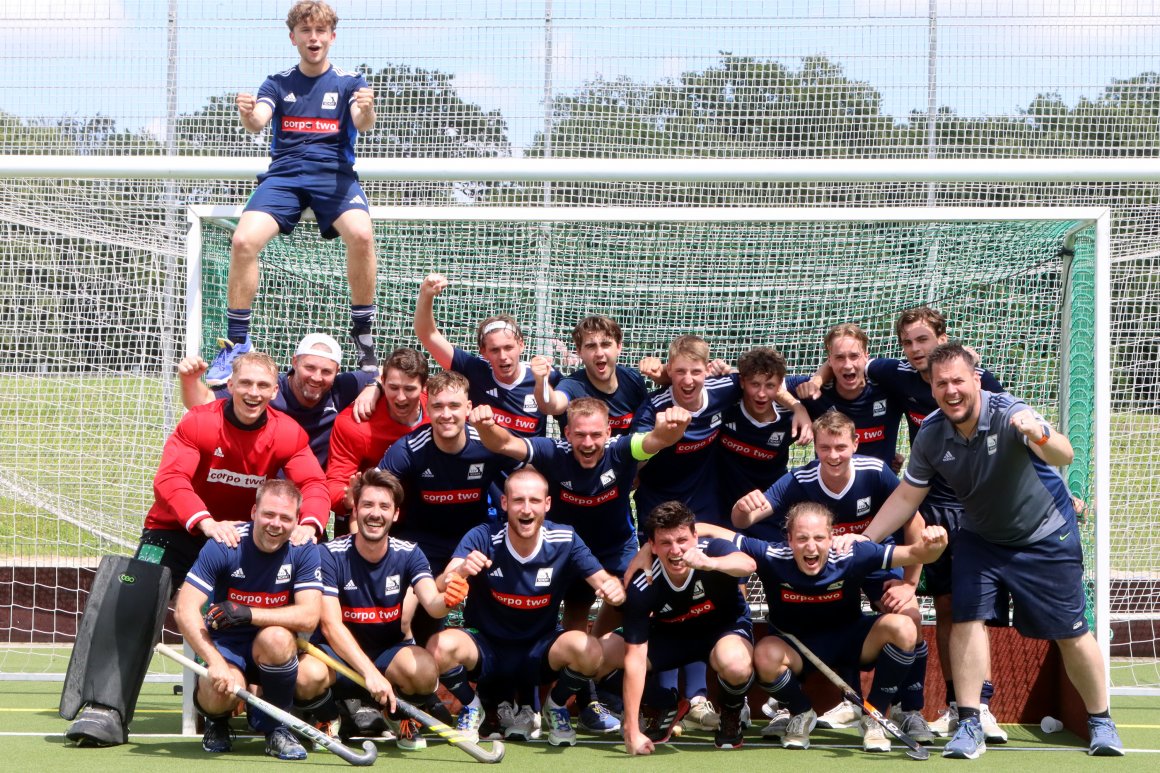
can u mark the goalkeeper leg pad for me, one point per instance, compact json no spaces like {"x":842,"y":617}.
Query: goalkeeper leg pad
{"x":121,"y":623}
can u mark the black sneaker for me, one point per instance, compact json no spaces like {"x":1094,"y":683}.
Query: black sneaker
{"x":281,"y":743}
{"x":364,"y":344}
{"x":218,"y":737}
{"x":658,"y":726}
{"x":729,"y":734}
{"x":97,"y":726}
{"x":365,"y":720}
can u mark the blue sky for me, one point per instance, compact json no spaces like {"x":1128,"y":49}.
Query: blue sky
{"x":82,"y":57}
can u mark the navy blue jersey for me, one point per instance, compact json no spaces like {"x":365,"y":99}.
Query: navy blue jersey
{"x":319,"y":420}
{"x":622,"y":404}
{"x":707,"y":602}
{"x":248,"y":576}
{"x":799,"y":603}
{"x":752,"y":454}
{"x":517,"y":598}
{"x":514,"y":405}
{"x":371,"y":594}
{"x":445,"y":494}
{"x":874,"y":414}
{"x":595,"y":502}
{"x":686,"y":471}
{"x":853,"y":507}
{"x":311,"y":124}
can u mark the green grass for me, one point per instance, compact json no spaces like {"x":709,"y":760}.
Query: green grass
{"x":30,"y":708}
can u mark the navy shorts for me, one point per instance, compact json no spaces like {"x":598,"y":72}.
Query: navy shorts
{"x":174,"y":548}
{"x":330,"y":195}
{"x":1045,"y":580}
{"x":838,"y":647}
{"x":937,"y":575}
{"x":238,"y":650}
{"x":668,"y":652}
{"x":506,"y":663}
{"x":614,"y":561}
{"x":344,"y":687}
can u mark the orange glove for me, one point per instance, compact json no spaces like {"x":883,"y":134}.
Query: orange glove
{"x":456,"y":591}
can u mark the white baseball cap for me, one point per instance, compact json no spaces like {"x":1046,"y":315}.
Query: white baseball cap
{"x":320,"y":345}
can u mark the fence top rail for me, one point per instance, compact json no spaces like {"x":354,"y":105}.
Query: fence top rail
{"x":1037,"y":170}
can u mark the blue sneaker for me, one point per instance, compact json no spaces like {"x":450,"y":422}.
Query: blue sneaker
{"x":1105,"y":741}
{"x":595,"y":718}
{"x":559,"y":722}
{"x":281,"y":743}
{"x":470,"y":718}
{"x":221,"y":368}
{"x":968,"y":742}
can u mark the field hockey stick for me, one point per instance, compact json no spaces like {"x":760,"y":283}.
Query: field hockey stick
{"x":914,"y":749}
{"x":307,"y":731}
{"x":451,"y":735}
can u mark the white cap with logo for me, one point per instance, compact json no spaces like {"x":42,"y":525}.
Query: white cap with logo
{"x":320,"y":345}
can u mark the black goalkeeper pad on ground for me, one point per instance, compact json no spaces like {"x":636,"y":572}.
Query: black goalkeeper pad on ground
{"x":121,"y":623}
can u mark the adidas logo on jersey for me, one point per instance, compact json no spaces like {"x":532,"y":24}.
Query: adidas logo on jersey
{"x":544,"y":577}
{"x":358,"y":200}
{"x":239,"y":574}
{"x":350,"y":585}
{"x":284,"y":573}
{"x":330,"y":100}
{"x":290,"y":97}
{"x":948,"y":457}
{"x":493,"y":393}
{"x":218,"y":453}
{"x":427,"y":473}
{"x":608,"y":478}
{"x":330,"y":409}
{"x":666,"y":608}
{"x":731,"y":425}
{"x":566,"y":484}
{"x":497,"y":573}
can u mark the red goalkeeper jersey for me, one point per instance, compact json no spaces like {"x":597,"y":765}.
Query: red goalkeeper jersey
{"x":211,"y":468}
{"x":355,"y":447}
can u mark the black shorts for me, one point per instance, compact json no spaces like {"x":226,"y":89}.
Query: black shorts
{"x":174,"y":548}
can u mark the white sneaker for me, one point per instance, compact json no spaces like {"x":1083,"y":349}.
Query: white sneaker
{"x":947,"y":722}
{"x":991,"y":730}
{"x":845,"y":714}
{"x":771,"y":709}
{"x":559,"y":722}
{"x":520,"y":723}
{"x":873,"y":736}
{"x":796,"y":734}
{"x":778,"y":724}
{"x":701,"y":716}
{"x":746,"y":715}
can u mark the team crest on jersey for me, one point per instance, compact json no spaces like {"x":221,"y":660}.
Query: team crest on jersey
{"x":284,"y":573}
{"x":475,"y":471}
{"x":992,"y":445}
{"x":879,"y":407}
{"x":698,"y":590}
{"x":864,"y":506}
{"x":835,"y":585}
{"x":715,"y":421}
{"x":330,"y":100}
{"x":529,"y":402}
{"x":392,"y":585}
{"x":544,"y":577}
{"x":776,"y":439}
{"x":608,"y":478}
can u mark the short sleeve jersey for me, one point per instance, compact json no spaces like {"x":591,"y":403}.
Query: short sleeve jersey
{"x":445,"y":494}
{"x":752,"y":454}
{"x":687,"y":470}
{"x":1010,"y":496}
{"x":356,"y":446}
{"x":870,"y":485}
{"x":595,"y":502}
{"x":248,"y":576}
{"x":874,"y":414}
{"x":514,"y":405}
{"x":704,"y":604}
{"x":371,"y":594}
{"x":622,"y":404}
{"x":312,"y":126}
{"x":801,"y":603}
{"x":518,"y":598}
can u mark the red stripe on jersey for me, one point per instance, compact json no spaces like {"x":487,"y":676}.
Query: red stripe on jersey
{"x":704,"y":608}
{"x":857,"y":527}
{"x":695,"y":445}
{"x":371,"y":614}
{"x":309,"y":125}
{"x":253,"y":598}
{"x":870,"y":434}
{"x":515,"y":422}
{"x":599,"y":499}
{"x":516,"y":601}
{"x":792,"y":597}
{"x":620,"y":422}
{"x":915,"y":417}
{"x":452,"y":497}
{"x":744,"y":449}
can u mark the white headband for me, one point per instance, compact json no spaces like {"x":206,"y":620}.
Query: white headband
{"x":498,"y":324}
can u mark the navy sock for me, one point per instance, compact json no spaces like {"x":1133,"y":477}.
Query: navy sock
{"x":277,"y":689}
{"x":950,"y":692}
{"x":733,"y":695}
{"x":696,"y":679}
{"x":323,"y":708}
{"x":987,"y":693}
{"x":788,"y":691}
{"x":455,"y":680}
{"x":1105,"y":714}
{"x":362,"y":318}
{"x":570,"y":683}
{"x":914,"y":686}
{"x":238,"y":324}
{"x":890,"y":669}
{"x":668,"y":679}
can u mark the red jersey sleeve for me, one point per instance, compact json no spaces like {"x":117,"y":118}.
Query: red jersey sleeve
{"x":303,"y":470}
{"x":347,"y":444}
{"x":173,"y":483}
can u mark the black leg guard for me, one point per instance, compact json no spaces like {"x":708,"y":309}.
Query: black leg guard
{"x":121,"y":623}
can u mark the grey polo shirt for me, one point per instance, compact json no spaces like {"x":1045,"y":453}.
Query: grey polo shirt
{"x":1010,"y":495}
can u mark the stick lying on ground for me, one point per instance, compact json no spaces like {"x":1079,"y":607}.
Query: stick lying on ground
{"x":370,"y":751}
{"x":451,"y":735}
